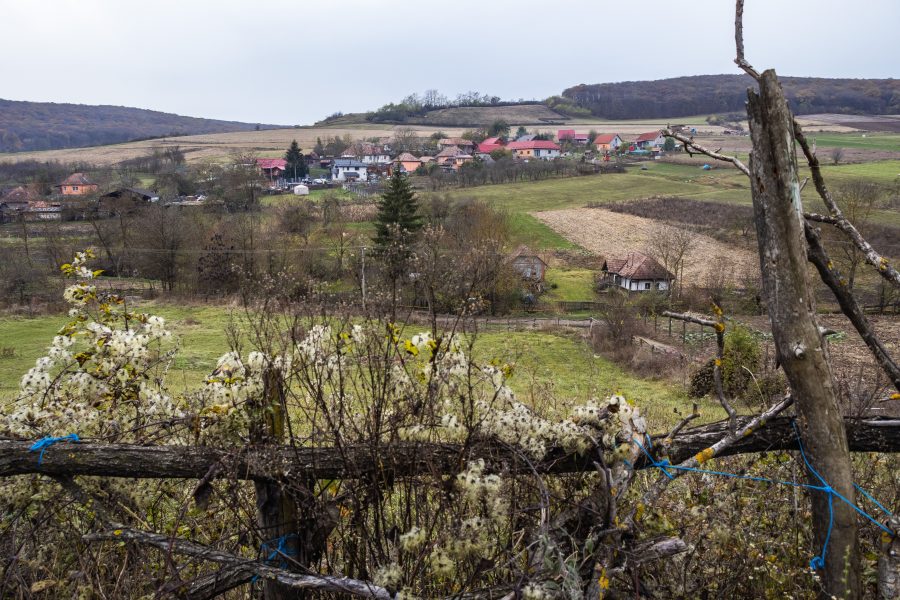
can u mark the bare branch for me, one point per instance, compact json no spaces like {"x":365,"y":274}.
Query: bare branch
{"x":849,"y":306}
{"x":719,"y":327}
{"x":739,"y":59}
{"x":322,"y":583}
{"x":837,"y":218}
{"x":716,"y":449}
{"x":690,"y":143}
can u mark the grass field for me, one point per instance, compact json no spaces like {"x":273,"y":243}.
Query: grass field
{"x":571,"y":285}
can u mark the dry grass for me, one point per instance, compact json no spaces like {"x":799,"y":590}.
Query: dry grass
{"x":614,"y":234}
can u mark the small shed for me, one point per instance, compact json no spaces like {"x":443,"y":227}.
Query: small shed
{"x":301,"y":190}
{"x":528,"y":264}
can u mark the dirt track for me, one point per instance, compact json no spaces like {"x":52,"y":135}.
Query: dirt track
{"x":612,"y":234}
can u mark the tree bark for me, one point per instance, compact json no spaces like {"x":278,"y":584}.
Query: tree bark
{"x":782,"y":250}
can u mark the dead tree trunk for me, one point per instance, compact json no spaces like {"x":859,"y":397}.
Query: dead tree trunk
{"x":799,"y":346}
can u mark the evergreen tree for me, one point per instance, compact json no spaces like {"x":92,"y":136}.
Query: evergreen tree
{"x":396,"y":226}
{"x":296,"y":164}
{"x":398,"y":220}
{"x":319,"y":148}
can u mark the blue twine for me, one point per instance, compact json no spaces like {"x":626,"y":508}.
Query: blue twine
{"x":818,"y":561}
{"x":279,"y":550}
{"x":45,"y":442}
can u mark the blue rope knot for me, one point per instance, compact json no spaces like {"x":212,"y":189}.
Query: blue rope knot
{"x":280,"y":549}
{"x":816,"y":563}
{"x":45,"y":442}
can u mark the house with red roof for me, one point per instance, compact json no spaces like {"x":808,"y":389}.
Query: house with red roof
{"x":76,"y":184}
{"x":650,"y":140}
{"x":489,"y":145}
{"x":607,"y":142}
{"x":570,"y":135}
{"x":543,"y":149}
{"x":272,"y":168}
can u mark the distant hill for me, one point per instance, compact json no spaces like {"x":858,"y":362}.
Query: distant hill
{"x":49,"y":126}
{"x":708,"y":94}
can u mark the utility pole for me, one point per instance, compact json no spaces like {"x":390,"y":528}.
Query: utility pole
{"x":363,"y":276}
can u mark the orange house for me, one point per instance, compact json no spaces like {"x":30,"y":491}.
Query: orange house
{"x":76,"y":184}
{"x":408,"y":162}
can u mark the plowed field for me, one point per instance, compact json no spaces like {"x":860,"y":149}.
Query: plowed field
{"x":612,"y":234}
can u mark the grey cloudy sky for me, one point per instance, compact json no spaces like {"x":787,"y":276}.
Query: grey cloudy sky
{"x":293,"y":62}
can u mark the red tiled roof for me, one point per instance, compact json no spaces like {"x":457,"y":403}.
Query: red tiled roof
{"x":533,"y":145}
{"x":407,"y":157}
{"x":580,"y":136}
{"x":637,"y":266}
{"x":647,"y":137}
{"x":605,"y":138}
{"x":271,"y":163}
{"x":76,"y":179}
{"x":488,"y":146}
{"x":563,"y":134}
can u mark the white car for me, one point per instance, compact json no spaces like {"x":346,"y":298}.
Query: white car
{"x":319,"y":181}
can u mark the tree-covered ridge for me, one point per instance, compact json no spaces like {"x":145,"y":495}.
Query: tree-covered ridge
{"x":47,"y":125}
{"x":704,"y":94}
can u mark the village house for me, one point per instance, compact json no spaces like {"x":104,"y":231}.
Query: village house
{"x":14,"y":203}
{"x":636,"y":272}
{"x":650,"y":140}
{"x":543,"y":149}
{"x":41,"y":210}
{"x":76,"y":184}
{"x":461,"y":143}
{"x":607,"y":142}
{"x":370,"y":154}
{"x":489,"y":145}
{"x":569,"y":135}
{"x":348,"y":169}
{"x":452,"y":158}
{"x":528,"y":264}
{"x":271,"y":168}
{"x":407,"y":163}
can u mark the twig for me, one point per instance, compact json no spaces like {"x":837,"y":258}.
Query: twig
{"x":695,"y":413}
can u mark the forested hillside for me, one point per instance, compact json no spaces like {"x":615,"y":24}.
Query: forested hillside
{"x":48,"y":126}
{"x":705,"y":94}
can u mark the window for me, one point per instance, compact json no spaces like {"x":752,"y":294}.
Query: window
{"x":74,"y":188}
{"x":647,"y":285}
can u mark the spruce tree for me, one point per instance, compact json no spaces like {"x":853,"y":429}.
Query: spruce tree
{"x":398,"y":220}
{"x":296,"y":164}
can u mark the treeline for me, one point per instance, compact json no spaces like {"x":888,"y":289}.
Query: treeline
{"x":47,"y":126}
{"x":415,"y":105}
{"x":704,"y":94}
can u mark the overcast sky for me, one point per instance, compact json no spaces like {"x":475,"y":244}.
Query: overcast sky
{"x":294,"y":62}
